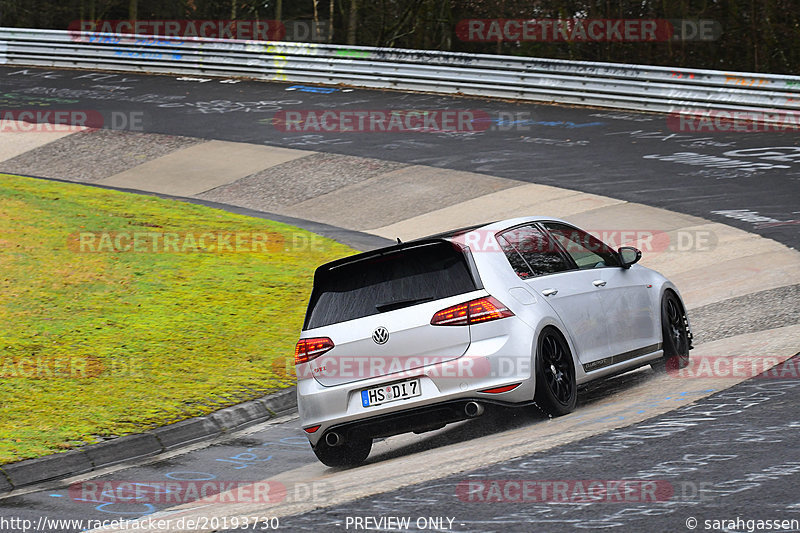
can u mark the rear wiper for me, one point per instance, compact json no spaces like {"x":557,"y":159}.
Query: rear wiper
{"x":399,"y":304}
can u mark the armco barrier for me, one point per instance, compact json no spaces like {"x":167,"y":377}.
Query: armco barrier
{"x":621,"y":86}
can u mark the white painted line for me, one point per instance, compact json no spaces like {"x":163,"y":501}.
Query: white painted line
{"x":633,"y":404}
{"x":15,"y":140}
{"x":202,"y":167}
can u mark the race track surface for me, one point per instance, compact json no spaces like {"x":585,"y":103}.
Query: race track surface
{"x":710,"y":444}
{"x":631,"y":156}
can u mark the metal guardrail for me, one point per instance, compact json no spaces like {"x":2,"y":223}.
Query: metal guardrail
{"x":620,"y":86}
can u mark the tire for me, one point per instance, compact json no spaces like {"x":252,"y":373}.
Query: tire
{"x":349,"y":453}
{"x":556,"y":391}
{"x":674,"y":335}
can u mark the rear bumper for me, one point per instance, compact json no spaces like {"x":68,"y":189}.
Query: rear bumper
{"x":499,"y":355}
{"x":416,"y":419}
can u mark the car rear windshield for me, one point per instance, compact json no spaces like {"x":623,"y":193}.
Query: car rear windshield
{"x":393,"y":280}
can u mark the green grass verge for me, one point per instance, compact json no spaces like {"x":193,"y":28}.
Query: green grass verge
{"x":97,"y":345}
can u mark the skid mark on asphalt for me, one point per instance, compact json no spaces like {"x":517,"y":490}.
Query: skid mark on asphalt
{"x":707,"y":460}
{"x":643,"y":400}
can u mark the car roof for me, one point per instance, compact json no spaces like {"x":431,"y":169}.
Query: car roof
{"x":498,"y":225}
{"x":444,"y":236}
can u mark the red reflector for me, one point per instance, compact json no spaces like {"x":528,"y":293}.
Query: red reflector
{"x":309,"y":349}
{"x":498,"y":390}
{"x":474,"y":312}
{"x":312,"y":429}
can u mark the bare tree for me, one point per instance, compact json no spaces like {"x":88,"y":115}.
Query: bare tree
{"x":352,"y":22}
{"x":330,"y":23}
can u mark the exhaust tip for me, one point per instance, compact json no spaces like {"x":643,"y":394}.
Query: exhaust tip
{"x":473,"y":409}
{"x":333,"y":439}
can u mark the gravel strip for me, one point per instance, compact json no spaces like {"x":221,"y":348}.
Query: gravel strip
{"x":298,"y":180}
{"x":90,"y":156}
{"x":769,"y":309}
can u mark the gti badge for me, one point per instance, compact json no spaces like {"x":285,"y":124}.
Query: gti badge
{"x":380,"y":335}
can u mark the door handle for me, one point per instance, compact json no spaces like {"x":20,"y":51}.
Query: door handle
{"x":550,"y":292}
{"x":599,"y":283}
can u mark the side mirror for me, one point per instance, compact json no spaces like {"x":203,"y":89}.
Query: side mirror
{"x":628,"y":255}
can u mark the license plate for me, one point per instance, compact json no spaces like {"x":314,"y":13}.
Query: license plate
{"x":390,"y":393}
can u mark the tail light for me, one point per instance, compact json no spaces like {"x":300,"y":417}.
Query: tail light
{"x":474,"y":312}
{"x":309,"y":349}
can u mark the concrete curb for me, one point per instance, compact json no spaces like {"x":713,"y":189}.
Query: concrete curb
{"x":359,"y":240}
{"x":150,"y":443}
{"x":5,"y":484}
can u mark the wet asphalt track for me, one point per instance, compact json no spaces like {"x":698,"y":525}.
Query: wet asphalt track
{"x":731,"y":454}
{"x":739,"y":446}
{"x":631,"y":156}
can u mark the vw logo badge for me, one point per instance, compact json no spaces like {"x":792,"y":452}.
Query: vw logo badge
{"x":380,"y":335}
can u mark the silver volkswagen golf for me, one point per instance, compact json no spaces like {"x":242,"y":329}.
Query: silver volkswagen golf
{"x":520,"y":312}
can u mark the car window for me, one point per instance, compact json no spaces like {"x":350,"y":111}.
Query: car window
{"x":531,"y":253}
{"x":586,"y":250}
{"x":389,"y":281}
